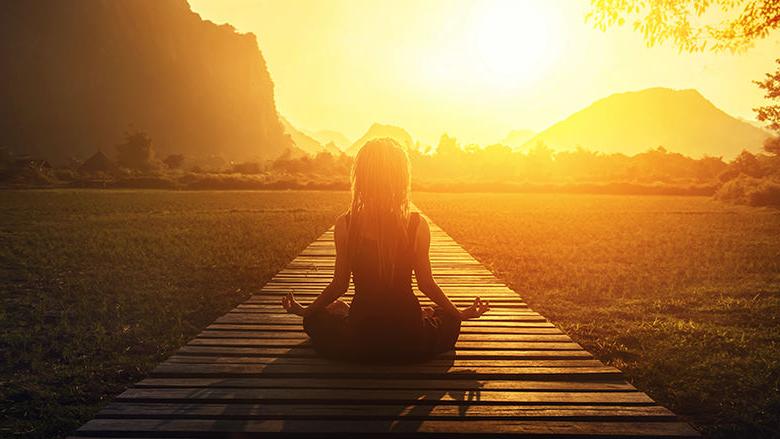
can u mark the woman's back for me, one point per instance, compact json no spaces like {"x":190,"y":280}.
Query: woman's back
{"x":384,"y":311}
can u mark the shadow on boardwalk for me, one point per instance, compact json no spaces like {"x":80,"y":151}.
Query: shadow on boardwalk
{"x":295,"y":409}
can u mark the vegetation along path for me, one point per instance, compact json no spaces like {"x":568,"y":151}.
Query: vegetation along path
{"x":253,"y":373}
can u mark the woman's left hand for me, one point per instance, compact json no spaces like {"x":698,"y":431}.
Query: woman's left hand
{"x":292,"y":306}
{"x":476,"y":309}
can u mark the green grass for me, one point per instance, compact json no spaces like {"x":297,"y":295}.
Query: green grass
{"x":681,"y":293}
{"x":96,"y":287}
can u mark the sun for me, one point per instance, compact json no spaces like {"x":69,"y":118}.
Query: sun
{"x":511,"y":40}
{"x":501,"y":45}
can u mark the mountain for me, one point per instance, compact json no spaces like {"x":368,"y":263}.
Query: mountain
{"x":753,"y":122}
{"x":516,"y":139}
{"x":377,"y":131}
{"x":301,"y":140}
{"x":77,"y":74}
{"x":330,"y":136}
{"x":305,"y":142}
{"x":682,"y":121}
{"x":333,"y":149}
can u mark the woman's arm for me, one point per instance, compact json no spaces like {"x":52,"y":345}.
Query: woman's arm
{"x":429,"y":287}
{"x":337,"y":286}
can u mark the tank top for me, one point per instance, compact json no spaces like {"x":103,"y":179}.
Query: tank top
{"x":384,"y":315}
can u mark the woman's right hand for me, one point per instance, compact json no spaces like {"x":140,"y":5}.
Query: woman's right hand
{"x":476,"y":309}
{"x":292,"y":306}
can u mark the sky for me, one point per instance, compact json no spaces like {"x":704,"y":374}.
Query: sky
{"x":475,"y":69}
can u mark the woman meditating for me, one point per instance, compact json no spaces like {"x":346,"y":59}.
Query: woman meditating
{"x":380,"y":242}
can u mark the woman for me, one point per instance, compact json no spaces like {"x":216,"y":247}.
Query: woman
{"x":380,"y":242}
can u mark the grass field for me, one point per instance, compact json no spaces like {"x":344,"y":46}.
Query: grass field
{"x":681,"y":293}
{"x":96,"y":287}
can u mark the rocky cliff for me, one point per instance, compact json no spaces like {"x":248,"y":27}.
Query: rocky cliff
{"x":77,"y":74}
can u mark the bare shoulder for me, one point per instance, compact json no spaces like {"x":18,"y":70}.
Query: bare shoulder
{"x":423,"y":232}
{"x":423,"y":223}
{"x":340,"y":229}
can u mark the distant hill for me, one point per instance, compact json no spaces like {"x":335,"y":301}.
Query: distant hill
{"x":680,"y":120}
{"x":305,"y":142}
{"x":517,"y":139}
{"x":76,"y":74}
{"x":300,"y":139}
{"x":329,"y":136}
{"x":755,"y":123}
{"x":377,"y":131}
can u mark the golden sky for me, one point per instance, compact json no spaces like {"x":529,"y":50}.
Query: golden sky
{"x":474,"y":69}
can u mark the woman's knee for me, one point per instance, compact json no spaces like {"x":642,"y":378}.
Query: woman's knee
{"x":445,"y":317}
{"x":311,"y":321}
{"x":338,"y":308}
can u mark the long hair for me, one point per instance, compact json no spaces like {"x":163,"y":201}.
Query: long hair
{"x":380,"y":199}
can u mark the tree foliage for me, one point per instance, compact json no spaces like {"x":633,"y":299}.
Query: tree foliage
{"x":136,"y":152}
{"x":770,"y":113}
{"x":692,"y":25}
{"x":174,"y":161}
{"x":772,"y":145}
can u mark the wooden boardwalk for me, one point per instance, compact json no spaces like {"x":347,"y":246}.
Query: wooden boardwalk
{"x":252,"y":373}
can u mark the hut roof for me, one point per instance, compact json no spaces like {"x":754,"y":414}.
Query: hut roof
{"x":99,"y":162}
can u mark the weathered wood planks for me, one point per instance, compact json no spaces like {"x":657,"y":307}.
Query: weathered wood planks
{"x":253,"y":373}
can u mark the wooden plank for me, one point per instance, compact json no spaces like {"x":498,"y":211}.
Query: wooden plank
{"x":309,"y":352}
{"x":464,"y":345}
{"x":494,"y":305}
{"x":528,"y":338}
{"x":488,"y":337}
{"x":255,"y":396}
{"x":423,"y":372}
{"x":397,"y":384}
{"x":415,"y":410}
{"x":502,"y":305}
{"x":466,"y":324}
{"x":343,"y":367}
{"x":228,"y":330}
{"x":499,"y":315}
{"x":487,"y":428}
{"x":252,"y":318}
{"x":271,"y":308}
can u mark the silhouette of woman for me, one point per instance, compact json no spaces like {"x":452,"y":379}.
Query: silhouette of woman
{"x":380,"y":243}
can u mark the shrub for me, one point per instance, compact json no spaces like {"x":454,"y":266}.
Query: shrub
{"x":174,"y":161}
{"x":751,"y":191}
{"x":251,"y":168}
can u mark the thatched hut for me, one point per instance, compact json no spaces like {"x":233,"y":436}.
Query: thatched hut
{"x":99,"y":162}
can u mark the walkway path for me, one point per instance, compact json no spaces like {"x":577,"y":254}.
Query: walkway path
{"x":252,"y":373}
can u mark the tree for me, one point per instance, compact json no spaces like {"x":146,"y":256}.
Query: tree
{"x":246,"y":168}
{"x":772,"y":145}
{"x":770,"y":113}
{"x":683,"y":21}
{"x":748,"y":164}
{"x":174,"y":161}
{"x":448,"y":146}
{"x":137,"y":151}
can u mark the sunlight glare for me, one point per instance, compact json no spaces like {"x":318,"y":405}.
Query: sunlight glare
{"x":512,"y":41}
{"x":503,"y":45}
